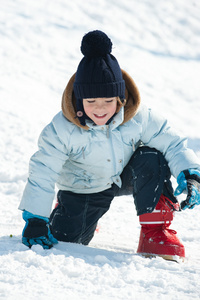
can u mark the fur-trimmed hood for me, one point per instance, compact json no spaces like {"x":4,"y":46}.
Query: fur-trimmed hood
{"x":131,"y":105}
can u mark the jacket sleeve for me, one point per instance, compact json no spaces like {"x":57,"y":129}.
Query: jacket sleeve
{"x":44,"y":169}
{"x":157,"y":133}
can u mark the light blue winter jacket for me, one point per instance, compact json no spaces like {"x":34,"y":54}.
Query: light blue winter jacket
{"x":89,"y":161}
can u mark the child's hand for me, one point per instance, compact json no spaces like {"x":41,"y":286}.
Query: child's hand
{"x":36,"y":231}
{"x":189,"y":182}
{"x":42,"y":241}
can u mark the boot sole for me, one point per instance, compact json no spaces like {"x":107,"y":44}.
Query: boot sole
{"x":174,"y":258}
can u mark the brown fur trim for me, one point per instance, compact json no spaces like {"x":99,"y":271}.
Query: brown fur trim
{"x":69,"y":104}
{"x":131,"y":104}
{"x":132,"y":97}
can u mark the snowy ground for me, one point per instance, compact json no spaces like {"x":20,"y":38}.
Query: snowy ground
{"x":158,"y":43}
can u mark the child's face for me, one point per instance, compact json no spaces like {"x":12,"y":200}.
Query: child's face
{"x":100,"y":110}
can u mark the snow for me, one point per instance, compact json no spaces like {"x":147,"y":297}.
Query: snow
{"x":158,"y":43}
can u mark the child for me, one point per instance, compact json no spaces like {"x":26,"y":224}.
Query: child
{"x":101,"y":145}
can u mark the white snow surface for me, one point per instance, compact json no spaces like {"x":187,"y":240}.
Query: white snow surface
{"x":158,"y":43}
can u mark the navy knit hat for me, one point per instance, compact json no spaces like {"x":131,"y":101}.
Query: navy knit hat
{"x":98,"y":74}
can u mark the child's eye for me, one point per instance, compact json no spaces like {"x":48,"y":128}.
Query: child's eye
{"x":109,"y":101}
{"x":90,"y":101}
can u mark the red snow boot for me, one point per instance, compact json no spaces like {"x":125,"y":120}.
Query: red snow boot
{"x":155,"y":237}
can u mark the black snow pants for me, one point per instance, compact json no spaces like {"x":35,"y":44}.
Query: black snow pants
{"x":146,"y":177}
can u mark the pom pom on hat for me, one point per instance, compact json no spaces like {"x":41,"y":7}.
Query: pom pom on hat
{"x":96,"y":43}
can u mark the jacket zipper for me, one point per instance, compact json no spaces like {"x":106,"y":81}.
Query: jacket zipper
{"x":107,"y":131}
{"x":133,"y":145}
{"x":83,"y":152}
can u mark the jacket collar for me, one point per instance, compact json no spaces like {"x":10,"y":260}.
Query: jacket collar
{"x":123,"y":116}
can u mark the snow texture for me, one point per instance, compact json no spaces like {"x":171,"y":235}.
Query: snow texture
{"x":158,"y":43}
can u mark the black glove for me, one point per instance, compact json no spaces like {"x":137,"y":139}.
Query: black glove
{"x":189,"y":182}
{"x":36,"y":231}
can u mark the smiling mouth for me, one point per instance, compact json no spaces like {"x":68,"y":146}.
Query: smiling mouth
{"x":100,"y":116}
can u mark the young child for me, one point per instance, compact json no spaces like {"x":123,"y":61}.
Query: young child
{"x":105,"y":144}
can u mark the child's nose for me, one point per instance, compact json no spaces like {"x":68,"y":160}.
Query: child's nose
{"x":99,"y":105}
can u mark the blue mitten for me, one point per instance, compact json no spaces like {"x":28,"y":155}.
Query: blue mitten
{"x":36,"y":231}
{"x":189,"y":182}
